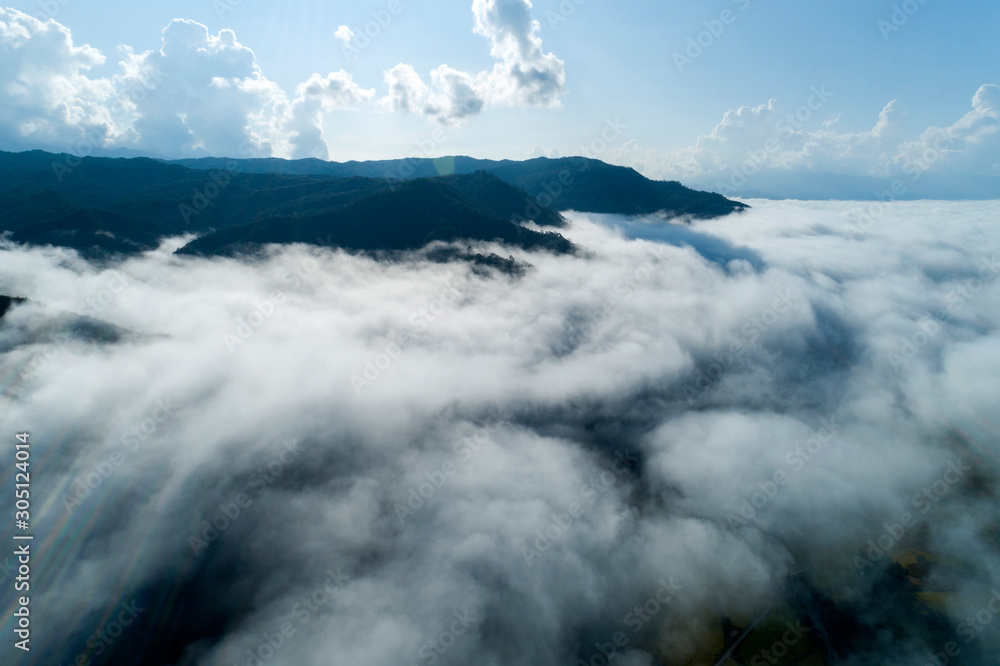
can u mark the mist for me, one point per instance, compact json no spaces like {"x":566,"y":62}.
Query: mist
{"x":628,"y":455}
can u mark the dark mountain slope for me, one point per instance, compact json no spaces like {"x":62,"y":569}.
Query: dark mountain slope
{"x":105,"y":206}
{"x":408,"y":216}
{"x":495,"y":197}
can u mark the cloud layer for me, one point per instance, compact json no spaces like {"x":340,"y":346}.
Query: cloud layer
{"x":319,"y":454}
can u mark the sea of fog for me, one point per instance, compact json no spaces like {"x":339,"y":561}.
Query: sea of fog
{"x":317,"y":458}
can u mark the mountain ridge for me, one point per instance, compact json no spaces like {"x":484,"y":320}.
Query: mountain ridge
{"x":120,"y":206}
{"x":566,"y":183}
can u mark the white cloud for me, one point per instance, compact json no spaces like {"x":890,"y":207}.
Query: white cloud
{"x":199,"y":94}
{"x":210,"y":96}
{"x":407,"y":91}
{"x":452,"y":96}
{"x":46,"y":95}
{"x":314,"y":97}
{"x":205,"y":94}
{"x":970,"y":145}
{"x":524,"y":75}
{"x":344,"y":34}
{"x":769,"y":139}
{"x":457,"y":95}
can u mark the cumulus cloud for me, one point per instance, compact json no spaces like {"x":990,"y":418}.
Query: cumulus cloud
{"x":48,"y":96}
{"x":198,"y":94}
{"x":206,"y":94}
{"x":407,"y":91}
{"x":400,"y":460}
{"x":524,"y":75}
{"x":773,"y":137}
{"x":210,"y":96}
{"x":344,"y":34}
{"x":452,"y":96}
{"x":970,"y":145}
{"x":316,"y":96}
{"x":768,"y":144}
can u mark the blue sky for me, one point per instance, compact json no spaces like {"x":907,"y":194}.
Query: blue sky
{"x":603,"y":61}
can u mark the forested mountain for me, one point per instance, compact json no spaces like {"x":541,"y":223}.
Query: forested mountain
{"x":103,"y":206}
{"x":567,"y":183}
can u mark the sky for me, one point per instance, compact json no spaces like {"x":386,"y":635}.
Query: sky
{"x":700,"y":87}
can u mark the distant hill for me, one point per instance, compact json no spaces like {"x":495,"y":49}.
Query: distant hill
{"x":568,"y":183}
{"x":111,"y":206}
